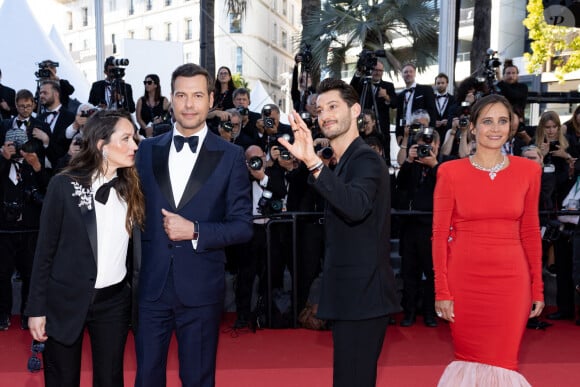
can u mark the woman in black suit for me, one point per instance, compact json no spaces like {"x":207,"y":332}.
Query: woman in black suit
{"x":79,"y":272}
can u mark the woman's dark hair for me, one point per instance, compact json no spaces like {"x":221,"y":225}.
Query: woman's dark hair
{"x":491,"y":99}
{"x":155,"y":79}
{"x":89,"y":161}
{"x":218,"y":85}
{"x":464,"y":87}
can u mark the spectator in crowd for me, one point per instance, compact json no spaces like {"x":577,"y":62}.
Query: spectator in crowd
{"x":380,"y":98}
{"x":57,"y":119}
{"x":80,"y":274}
{"x":415,"y":187}
{"x":443,"y":102}
{"x":113,"y":92}
{"x":519,"y":136}
{"x":7,"y":105}
{"x":413,"y":97}
{"x":23,"y":182}
{"x":189,"y":222}
{"x":152,"y":107}
{"x":66,"y":89}
{"x":572,"y":130}
{"x":357,"y":290}
{"x":369,"y":126}
{"x":224,"y":89}
{"x":510,"y":87}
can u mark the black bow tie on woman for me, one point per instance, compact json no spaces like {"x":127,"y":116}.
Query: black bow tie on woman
{"x":102,"y":194}
{"x":180,"y":140}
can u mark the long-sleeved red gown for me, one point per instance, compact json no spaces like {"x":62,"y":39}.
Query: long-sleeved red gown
{"x":487,"y":258}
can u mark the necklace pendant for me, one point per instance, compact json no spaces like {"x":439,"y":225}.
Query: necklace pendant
{"x":492,"y":175}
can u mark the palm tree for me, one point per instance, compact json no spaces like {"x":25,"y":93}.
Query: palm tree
{"x":481,"y":34}
{"x":406,"y":29}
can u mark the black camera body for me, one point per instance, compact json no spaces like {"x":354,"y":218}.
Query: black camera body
{"x":243,"y":111}
{"x":268,"y":121}
{"x":304,"y":56}
{"x":368,"y":60}
{"x":255,"y":163}
{"x":33,"y":195}
{"x":43,"y":69}
{"x":307,"y":118}
{"x":463,"y":122}
{"x":88,"y":112}
{"x":117,"y":72}
{"x":268,"y":206}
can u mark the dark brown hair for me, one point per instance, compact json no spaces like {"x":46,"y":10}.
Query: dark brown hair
{"x":82,"y":167}
{"x":191,"y":70}
{"x":347,"y":92}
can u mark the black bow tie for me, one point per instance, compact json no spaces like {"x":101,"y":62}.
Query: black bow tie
{"x":442,"y":96}
{"x":19,"y":123}
{"x":410,"y":90}
{"x":180,"y":140}
{"x":102,"y":194}
{"x":52,"y":113}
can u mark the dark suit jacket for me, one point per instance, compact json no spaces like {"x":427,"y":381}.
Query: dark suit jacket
{"x":65,"y":267}
{"x":382,"y":107}
{"x":97,"y":95}
{"x":444,"y":115}
{"x":423,"y":98}
{"x":59,"y":144}
{"x":358,"y":282}
{"x":9,"y":95}
{"x":217,"y":196}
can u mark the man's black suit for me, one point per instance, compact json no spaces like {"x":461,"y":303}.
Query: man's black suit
{"x":443,"y":108}
{"x":9,"y":95}
{"x":358,"y":285}
{"x":98,"y":91}
{"x":422,"y":98}
{"x":58,"y":146}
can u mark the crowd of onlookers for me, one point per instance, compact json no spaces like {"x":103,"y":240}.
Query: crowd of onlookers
{"x":41,"y":133}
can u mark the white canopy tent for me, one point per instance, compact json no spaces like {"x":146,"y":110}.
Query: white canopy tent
{"x":260,"y":97}
{"x":25,"y":44}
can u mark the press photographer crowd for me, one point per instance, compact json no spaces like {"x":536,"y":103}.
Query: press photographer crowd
{"x":275,"y":207}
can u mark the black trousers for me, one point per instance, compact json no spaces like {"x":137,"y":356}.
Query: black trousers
{"x":564,"y":283}
{"x":416,"y":261}
{"x":16,"y":252}
{"x":357,"y":347}
{"x":108,"y":325}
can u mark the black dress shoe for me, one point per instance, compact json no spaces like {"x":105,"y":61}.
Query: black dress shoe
{"x":560,"y":316}
{"x":408,"y":320}
{"x":430,"y":321}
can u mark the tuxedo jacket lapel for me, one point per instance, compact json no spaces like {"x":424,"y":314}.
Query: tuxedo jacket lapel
{"x":90,"y":221}
{"x":160,"y":158}
{"x":207,"y":160}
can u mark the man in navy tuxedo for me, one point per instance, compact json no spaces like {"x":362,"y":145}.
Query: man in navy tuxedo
{"x":197,"y":203}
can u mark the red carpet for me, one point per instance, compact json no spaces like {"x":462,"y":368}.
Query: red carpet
{"x":412,"y":357}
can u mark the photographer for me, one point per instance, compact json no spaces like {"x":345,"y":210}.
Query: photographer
{"x":269,"y":127}
{"x":419,"y":119}
{"x":268,"y":190}
{"x":516,"y":93}
{"x":230,"y":130}
{"x":242,"y":104}
{"x":23,"y":182}
{"x":380,"y":95}
{"x":47,"y":71}
{"x":113,"y":93}
{"x":302,"y":86}
{"x":415,"y":186}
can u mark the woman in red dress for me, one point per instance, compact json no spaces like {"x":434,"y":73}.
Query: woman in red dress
{"x":487,"y":252}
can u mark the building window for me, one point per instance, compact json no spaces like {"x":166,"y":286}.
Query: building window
{"x":236,"y":24}
{"x":275,"y":33}
{"x":239,"y":60}
{"x":131,"y":7}
{"x":69,"y":16}
{"x":284,"y":39}
{"x":274,"y":67}
{"x":284,"y":7}
{"x":70,"y":47}
{"x":112,"y":5}
{"x":167,"y":2}
{"x":292,"y":14}
{"x":114,"y":43}
{"x":149,"y":33}
{"x":188,"y":29}
{"x":131,"y":34}
{"x":85,"y":44}
{"x":168,"y":32}
{"x":149,"y":5}
{"x":85,"y":16}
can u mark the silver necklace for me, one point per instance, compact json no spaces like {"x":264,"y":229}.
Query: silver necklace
{"x":492,"y":171}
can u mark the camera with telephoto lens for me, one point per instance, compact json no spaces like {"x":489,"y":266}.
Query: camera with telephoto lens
{"x":117,"y":72}
{"x":243,"y":111}
{"x":307,"y":118}
{"x":304,"y":56}
{"x":326,"y":152}
{"x":284,"y":152}
{"x":43,"y":69}
{"x":267,"y":205}
{"x":426,"y":135}
{"x":227,"y":126}
{"x":424,"y":150}
{"x":255,"y":163}
{"x":367,"y":60}
{"x":268,"y":121}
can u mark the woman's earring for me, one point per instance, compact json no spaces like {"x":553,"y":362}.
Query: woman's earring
{"x":105,"y":155}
